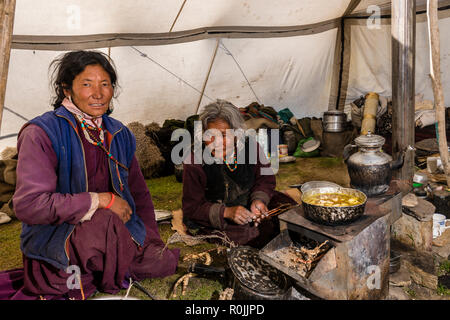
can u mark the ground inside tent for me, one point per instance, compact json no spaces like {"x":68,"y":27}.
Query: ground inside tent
{"x":166,"y":194}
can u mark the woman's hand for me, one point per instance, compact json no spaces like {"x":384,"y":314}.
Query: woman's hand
{"x":238,"y":214}
{"x":259,"y":209}
{"x":119,"y":206}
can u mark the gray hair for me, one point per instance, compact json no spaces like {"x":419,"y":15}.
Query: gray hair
{"x":222,"y":110}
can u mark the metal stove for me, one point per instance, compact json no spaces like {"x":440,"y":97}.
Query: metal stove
{"x":356,"y":262}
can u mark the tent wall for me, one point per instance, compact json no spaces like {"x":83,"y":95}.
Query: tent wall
{"x":288,"y":72}
{"x":368,"y":52}
{"x":278,"y":53}
{"x":76,"y":17}
{"x":281,"y":53}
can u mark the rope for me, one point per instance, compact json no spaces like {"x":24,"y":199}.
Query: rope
{"x":178,"y":14}
{"x":222,"y":46}
{"x":164,"y":68}
{"x":129,"y":288}
{"x":17,"y":114}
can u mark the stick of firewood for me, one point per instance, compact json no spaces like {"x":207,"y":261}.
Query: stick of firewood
{"x":435,"y":74}
{"x":279,"y":210}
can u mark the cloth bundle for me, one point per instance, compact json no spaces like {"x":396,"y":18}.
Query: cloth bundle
{"x":8,"y":166}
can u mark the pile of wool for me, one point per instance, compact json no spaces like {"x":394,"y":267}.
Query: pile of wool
{"x":147,"y":152}
{"x":8,"y":164}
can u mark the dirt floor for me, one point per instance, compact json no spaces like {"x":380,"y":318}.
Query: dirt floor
{"x":166,"y":195}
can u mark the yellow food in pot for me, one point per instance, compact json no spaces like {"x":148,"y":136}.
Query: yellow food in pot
{"x":333,"y":200}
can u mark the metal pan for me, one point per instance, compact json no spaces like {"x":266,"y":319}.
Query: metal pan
{"x":333,"y":215}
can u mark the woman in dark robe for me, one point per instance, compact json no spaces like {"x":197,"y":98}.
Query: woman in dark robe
{"x":233,"y":191}
{"x":88,"y":218}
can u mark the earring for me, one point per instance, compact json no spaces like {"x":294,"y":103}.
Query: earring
{"x":70,"y":99}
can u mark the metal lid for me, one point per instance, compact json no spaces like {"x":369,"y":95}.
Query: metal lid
{"x":334,"y":112}
{"x":254,"y":273}
{"x":370,"y":140}
{"x":310,"y":145}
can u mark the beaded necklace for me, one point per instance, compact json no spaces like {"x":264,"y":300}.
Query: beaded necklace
{"x":234,"y":163}
{"x":100,"y":143}
{"x":85,"y":126}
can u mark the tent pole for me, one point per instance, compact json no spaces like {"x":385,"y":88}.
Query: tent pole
{"x":403,"y":35}
{"x":7,"y":8}
{"x":435,"y":73}
{"x":207,"y":75}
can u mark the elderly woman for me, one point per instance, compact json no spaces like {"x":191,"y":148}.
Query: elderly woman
{"x":233,"y":193}
{"x":88,"y":217}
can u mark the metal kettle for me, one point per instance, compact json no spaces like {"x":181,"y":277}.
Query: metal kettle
{"x":370,"y":169}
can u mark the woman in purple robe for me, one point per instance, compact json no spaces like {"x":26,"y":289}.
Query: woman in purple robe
{"x":88,"y":218}
{"x":233,"y":190}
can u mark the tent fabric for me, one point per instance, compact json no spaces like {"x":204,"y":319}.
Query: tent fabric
{"x":74,"y":17}
{"x":281,"y":53}
{"x":370,"y":56}
{"x":162,"y":85}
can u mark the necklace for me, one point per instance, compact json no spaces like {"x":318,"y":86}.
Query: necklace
{"x":100,"y":143}
{"x":234,"y":163}
{"x":86,"y":127}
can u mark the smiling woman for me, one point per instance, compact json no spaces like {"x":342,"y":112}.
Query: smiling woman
{"x":87,"y":207}
{"x":91,"y":91}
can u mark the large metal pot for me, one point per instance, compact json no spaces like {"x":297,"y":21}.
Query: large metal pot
{"x":255,"y":279}
{"x":334,"y":121}
{"x":370,"y":169}
{"x":249,"y":276}
{"x":333,"y":215}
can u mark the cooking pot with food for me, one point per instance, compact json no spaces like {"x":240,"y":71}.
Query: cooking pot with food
{"x":333,"y":205}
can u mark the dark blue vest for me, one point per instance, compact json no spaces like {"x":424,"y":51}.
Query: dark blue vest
{"x":48,"y":242}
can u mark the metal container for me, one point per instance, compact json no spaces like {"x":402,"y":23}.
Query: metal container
{"x":255,"y":279}
{"x":317,"y":184}
{"x":331,"y":215}
{"x":395,"y":262}
{"x":334,"y":121}
{"x":370,"y":169}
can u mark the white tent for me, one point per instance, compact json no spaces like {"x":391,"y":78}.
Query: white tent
{"x":173,"y":56}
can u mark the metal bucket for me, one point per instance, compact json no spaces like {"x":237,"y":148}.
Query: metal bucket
{"x":334,"y":121}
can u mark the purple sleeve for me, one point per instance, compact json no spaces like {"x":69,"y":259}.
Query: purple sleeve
{"x":142,"y":198}
{"x":35,"y":200}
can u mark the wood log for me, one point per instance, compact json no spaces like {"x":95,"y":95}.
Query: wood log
{"x":403,"y":31}
{"x":435,"y":74}
{"x":421,"y":276}
{"x":7,"y":9}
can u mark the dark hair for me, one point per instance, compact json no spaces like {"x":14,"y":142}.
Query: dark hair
{"x":69,"y":65}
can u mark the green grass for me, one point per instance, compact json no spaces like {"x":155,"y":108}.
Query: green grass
{"x":10,"y":254}
{"x":166,"y":194}
{"x":444,"y":267}
{"x":443,"y":290}
{"x":411,"y":292}
{"x":309,"y":169}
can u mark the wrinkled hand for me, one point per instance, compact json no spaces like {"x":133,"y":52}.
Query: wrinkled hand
{"x":238,"y":214}
{"x":259,"y":209}
{"x":120,"y":206}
